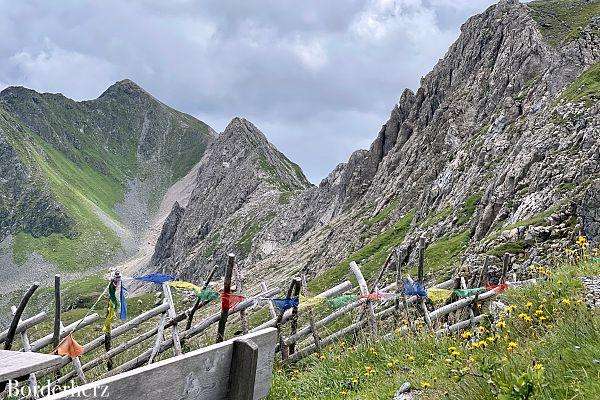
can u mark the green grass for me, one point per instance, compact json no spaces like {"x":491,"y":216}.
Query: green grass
{"x":445,"y":252}
{"x":553,"y":356}
{"x":370,"y":257}
{"x":586,"y":88}
{"x":509,"y":247}
{"x":468,"y":208}
{"x":561,"y":21}
{"x":437,"y":217}
{"x":383,"y":214}
{"x":93,"y":242}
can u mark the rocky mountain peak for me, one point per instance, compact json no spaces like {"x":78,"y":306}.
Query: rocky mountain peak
{"x":126,"y":88}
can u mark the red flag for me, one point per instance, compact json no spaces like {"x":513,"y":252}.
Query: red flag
{"x":230,"y":300}
{"x":69,"y":347}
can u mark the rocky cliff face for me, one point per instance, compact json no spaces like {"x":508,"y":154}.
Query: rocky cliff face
{"x":83,"y":180}
{"x":492,"y":153}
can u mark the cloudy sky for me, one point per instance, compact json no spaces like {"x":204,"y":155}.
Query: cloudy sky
{"x":317,"y":77}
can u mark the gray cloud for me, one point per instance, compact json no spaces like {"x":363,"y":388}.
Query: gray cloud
{"x":318,"y":77}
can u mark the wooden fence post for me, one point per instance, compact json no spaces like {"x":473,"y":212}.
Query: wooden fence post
{"x":32,"y":380}
{"x":57,"y":307}
{"x":17,"y":316}
{"x":278,"y":324}
{"x":364,"y":291}
{"x":226,"y":291}
{"x":244,"y":362}
{"x":172,"y":315}
{"x":505,"y":264}
{"x":294,"y":319}
{"x":239,"y":284}
{"x":311,"y":318}
{"x":401,"y":261}
{"x":421,"y":280}
{"x":159,"y":335}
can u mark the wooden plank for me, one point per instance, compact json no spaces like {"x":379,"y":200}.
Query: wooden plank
{"x":172,"y":314}
{"x":14,"y":364}
{"x":242,"y":375}
{"x":200,"y":375}
{"x":159,"y":337}
{"x":364,"y":290}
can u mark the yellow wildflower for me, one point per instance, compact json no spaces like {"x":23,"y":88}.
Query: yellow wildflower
{"x":528,"y":304}
{"x":501,"y":324}
{"x":425,"y":384}
{"x":466,"y":334}
{"x":511,"y":346}
{"x":566,"y":301}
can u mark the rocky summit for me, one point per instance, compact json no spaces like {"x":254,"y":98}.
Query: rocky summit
{"x":498,"y":151}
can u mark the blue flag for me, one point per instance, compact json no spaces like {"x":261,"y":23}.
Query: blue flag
{"x":123,"y":300}
{"x":286,"y":304}
{"x":414,"y":289}
{"x":157,"y":278}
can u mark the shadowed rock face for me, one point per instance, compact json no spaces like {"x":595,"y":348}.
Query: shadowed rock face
{"x":495,"y":137}
{"x":590,"y":213}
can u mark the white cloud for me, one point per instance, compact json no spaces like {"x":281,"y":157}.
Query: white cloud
{"x":313,"y":75}
{"x":57,"y":70}
{"x":311,"y":53}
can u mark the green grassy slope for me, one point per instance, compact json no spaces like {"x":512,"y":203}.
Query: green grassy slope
{"x":561,"y":21}
{"x":85,"y":153}
{"x":546,"y":346}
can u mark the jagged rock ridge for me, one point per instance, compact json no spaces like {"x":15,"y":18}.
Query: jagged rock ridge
{"x":493,"y":152}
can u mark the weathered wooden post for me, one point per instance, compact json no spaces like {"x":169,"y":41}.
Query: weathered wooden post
{"x":239,"y":284}
{"x":172,"y":315}
{"x":226,"y":292}
{"x":159,"y":335}
{"x":32,"y":380}
{"x":421,"y":280}
{"x":278,"y":324}
{"x":311,"y":319}
{"x":505,"y":264}
{"x":364,"y":291}
{"x":57,"y":307}
{"x":17,"y":316}
{"x":294,"y":321}
{"x":199,"y":303}
{"x":402,"y":255}
{"x":272,"y":312}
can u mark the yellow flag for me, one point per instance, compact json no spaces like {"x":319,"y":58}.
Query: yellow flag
{"x":185,"y":285}
{"x":111,"y":314}
{"x":306,"y":302}
{"x":438,"y":295}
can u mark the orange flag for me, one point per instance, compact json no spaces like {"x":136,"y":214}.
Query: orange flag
{"x":69,"y":347}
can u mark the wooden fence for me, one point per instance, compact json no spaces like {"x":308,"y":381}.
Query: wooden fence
{"x":319,"y":328}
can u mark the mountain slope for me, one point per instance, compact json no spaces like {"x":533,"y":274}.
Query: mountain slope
{"x":103,"y":165}
{"x":494,"y":152}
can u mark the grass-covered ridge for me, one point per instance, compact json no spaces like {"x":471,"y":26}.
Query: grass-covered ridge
{"x":561,"y":21}
{"x":370,"y":257}
{"x":586,"y":88}
{"x":544,"y":346}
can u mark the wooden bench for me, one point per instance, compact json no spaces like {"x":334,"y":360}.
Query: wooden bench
{"x":238,"y":369}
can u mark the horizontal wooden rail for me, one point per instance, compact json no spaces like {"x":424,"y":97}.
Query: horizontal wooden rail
{"x":25,"y":324}
{"x":81,"y":323}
